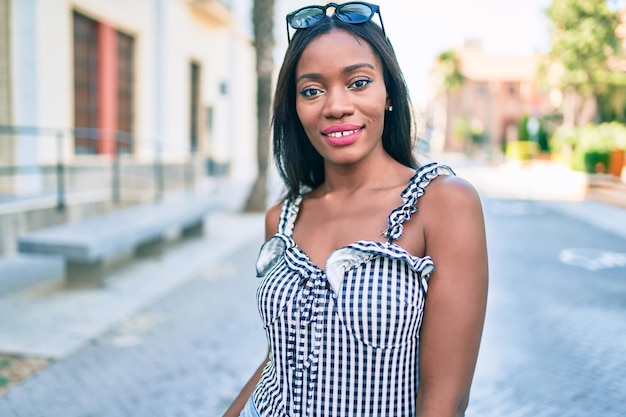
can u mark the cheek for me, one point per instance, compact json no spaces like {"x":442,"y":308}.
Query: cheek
{"x":306,"y":116}
{"x":299,"y":110}
{"x":301,"y":113}
{"x":375,"y":108}
{"x":375,"y":114}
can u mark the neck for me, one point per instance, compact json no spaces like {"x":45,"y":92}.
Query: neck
{"x":382,"y":173}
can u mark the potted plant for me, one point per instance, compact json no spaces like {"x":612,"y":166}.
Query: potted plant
{"x":617,"y":159}
{"x":593,"y":151}
{"x":523,"y":148}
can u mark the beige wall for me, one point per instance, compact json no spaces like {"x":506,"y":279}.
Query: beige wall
{"x":225,"y":56}
{"x":5,"y":73}
{"x":6,"y":144}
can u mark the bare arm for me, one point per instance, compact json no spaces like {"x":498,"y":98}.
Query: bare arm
{"x":457,"y":297}
{"x":235,"y":408}
{"x":271,"y":226}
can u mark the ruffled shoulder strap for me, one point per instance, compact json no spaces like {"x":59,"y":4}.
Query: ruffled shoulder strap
{"x":289,"y":212}
{"x":414,"y":190}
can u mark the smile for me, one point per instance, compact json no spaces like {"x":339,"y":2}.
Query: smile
{"x":343,"y":133}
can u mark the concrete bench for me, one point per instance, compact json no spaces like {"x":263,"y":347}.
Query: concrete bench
{"x":86,"y":245}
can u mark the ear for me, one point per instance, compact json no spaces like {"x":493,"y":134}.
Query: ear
{"x":388,"y":104}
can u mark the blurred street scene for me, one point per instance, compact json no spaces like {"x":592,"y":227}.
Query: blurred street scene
{"x":178,"y":335}
{"x":132,"y":191}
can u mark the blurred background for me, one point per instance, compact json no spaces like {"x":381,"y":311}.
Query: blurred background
{"x":110,"y":106}
{"x":120,"y":101}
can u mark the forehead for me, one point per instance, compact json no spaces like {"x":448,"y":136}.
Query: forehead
{"x":336,"y":49}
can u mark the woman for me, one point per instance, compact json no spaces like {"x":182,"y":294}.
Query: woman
{"x":361,"y":237}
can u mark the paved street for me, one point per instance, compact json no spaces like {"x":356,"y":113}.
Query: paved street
{"x":555,"y":333}
{"x":183,"y":355}
{"x":554,"y":342}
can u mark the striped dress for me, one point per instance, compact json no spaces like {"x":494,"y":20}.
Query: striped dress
{"x":344,"y":341}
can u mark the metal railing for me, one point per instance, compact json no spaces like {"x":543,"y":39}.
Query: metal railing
{"x":62,"y":166}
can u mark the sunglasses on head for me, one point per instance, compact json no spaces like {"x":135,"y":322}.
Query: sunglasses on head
{"x":353,"y":12}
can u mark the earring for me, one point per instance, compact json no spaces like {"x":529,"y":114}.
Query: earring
{"x":390,"y":108}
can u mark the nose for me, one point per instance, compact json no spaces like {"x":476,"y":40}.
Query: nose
{"x":338,"y":103}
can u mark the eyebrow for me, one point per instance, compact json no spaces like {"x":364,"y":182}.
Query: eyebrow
{"x":346,"y":70}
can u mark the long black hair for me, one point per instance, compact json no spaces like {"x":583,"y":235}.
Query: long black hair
{"x":298,"y":162}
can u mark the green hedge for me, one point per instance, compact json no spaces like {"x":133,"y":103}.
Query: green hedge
{"x":594,"y":160}
{"x":590,"y":145}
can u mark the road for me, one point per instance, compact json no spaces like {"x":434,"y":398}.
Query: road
{"x":555,"y":336}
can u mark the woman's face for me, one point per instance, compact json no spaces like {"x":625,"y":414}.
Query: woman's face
{"x":341,"y":97}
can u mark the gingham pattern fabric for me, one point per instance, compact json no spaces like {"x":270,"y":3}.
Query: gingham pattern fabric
{"x":344,"y":341}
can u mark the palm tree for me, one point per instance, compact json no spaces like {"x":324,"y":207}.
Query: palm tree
{"x":449,"y":67}
{"x":450,"y":79}
{"x":263,"y":23}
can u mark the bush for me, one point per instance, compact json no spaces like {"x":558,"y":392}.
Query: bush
{"x":596,"y":161}
{"x":564,"y":139}
{"x":590,"y":145}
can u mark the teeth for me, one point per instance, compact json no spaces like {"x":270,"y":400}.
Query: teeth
{"x":344,"y":133}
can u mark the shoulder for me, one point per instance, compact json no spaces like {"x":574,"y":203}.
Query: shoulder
{"x":450,"y":206}
{"x":272,"y":217}
{"x":451,"y":190}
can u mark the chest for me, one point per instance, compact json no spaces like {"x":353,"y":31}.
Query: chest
{"x":321,"y":228}
{"x":377,"y":300}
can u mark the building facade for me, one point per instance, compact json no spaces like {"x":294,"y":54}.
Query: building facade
{"x":497,"y":92}
{"x":82,"y":81}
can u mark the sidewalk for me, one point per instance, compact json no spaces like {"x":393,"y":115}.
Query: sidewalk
{"x":48,"y":320}
{"x":608,"y":189}
{"x":43,"y":321}
{"x":553,"y":184}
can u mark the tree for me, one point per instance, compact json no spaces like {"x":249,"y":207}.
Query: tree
{"x":263,"y":24}
{"x":449,"y":68}
{"x":583,"y":41}
{"x":450,"y":79}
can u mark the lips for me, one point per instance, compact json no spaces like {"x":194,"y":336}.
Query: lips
{"x":342,"y":135}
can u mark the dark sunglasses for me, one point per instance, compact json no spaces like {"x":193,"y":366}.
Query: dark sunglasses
{"x":354,"y":12}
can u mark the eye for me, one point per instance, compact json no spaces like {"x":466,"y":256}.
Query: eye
{"x":310,"y":92}
{"x":360,"y":84}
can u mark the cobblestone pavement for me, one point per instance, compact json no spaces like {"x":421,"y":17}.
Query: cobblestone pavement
{"x":185,"y":355}
{"x":555,"y":335}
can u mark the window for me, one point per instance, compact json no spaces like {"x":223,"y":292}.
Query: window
{"x":104,"y":81}
{"x":85,"y":82}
